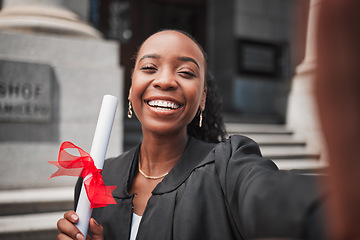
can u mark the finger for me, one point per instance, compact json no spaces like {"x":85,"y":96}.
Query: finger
{"x":97,"y":231}
{"x":69,"y":229}
{"x":63,"y":236}
{"x":71,"y":216}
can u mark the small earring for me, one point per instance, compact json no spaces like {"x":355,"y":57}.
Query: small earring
{"x":201,"y":118}
{"x":130,"y":113}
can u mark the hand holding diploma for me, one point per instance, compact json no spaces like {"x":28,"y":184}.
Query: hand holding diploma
{"x":68,"y":230}
{"x":94,"y":193}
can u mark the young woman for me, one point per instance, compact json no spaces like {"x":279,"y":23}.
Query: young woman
{"x":180,"y":183}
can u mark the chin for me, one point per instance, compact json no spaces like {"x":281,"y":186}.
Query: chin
{"x":164,"y":129}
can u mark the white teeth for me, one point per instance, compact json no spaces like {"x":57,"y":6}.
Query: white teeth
{"x":163,"y":104}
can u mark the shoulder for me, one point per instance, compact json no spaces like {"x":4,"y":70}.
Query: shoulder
{"x":225,"y":150}
{"x":238,"y":144}
{"x":119,"y":166}
{"x":240,"y":154}
{"x":200,"y":145}
{"x":122,"y":158}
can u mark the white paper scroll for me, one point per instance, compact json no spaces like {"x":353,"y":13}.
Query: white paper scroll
{"x":98,"y":151}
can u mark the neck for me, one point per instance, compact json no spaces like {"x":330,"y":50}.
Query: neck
{"x":159,"y":154}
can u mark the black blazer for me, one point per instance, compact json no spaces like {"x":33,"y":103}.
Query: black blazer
{"x":223,"y":191}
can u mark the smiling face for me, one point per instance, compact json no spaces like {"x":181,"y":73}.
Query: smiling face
{"x":168,"y":83}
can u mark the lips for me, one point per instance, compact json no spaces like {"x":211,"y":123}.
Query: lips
{"x":163,"y":104}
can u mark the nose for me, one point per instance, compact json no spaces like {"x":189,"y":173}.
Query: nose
{"x":166,"y":80}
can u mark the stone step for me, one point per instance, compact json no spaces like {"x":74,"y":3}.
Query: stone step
{"x":32,"y":214}
{"x":278,"y":143}
{"x":41,"y":226}
{"x":300,"y":164}
{"x":287,"y":152}
{"x":240,"y":128}
{"x":24,"y":201}
{"x":275,"y":139}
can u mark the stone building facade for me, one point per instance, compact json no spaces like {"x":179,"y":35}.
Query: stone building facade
{"x":82,"y":50}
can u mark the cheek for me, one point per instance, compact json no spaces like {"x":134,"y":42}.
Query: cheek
{"x":135,"y":96}
{"x":137,"y":88}
{"x":194,"y":94}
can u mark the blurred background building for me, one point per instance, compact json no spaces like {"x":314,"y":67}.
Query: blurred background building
{"x":59,"y":57}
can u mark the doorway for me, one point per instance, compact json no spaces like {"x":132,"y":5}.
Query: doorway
{"x":148,"y":17}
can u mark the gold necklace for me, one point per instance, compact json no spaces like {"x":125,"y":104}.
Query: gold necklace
{"x":147,"y":176}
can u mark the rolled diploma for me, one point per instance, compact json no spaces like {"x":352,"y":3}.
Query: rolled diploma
{"x":98,"y":151}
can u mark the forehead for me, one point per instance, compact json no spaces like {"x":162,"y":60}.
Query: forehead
{"x":170,"y":43}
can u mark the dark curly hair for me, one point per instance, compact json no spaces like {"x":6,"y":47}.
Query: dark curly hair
{"x":213,"y":128}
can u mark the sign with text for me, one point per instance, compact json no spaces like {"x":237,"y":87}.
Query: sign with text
{"x":256,"y":58}
{"x":25,"y":92}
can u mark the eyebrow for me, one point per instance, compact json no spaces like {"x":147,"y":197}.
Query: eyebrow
{"x":188,"y":59}
{"x":156,"y":56}
{"x":183,"y":59}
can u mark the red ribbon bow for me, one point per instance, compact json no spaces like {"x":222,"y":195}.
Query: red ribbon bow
{"x":70,"y":165}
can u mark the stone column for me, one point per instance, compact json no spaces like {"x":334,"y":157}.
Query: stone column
{"x":301,"y":113}
{"x":46,"y":16}
{"x":54,"y":71}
